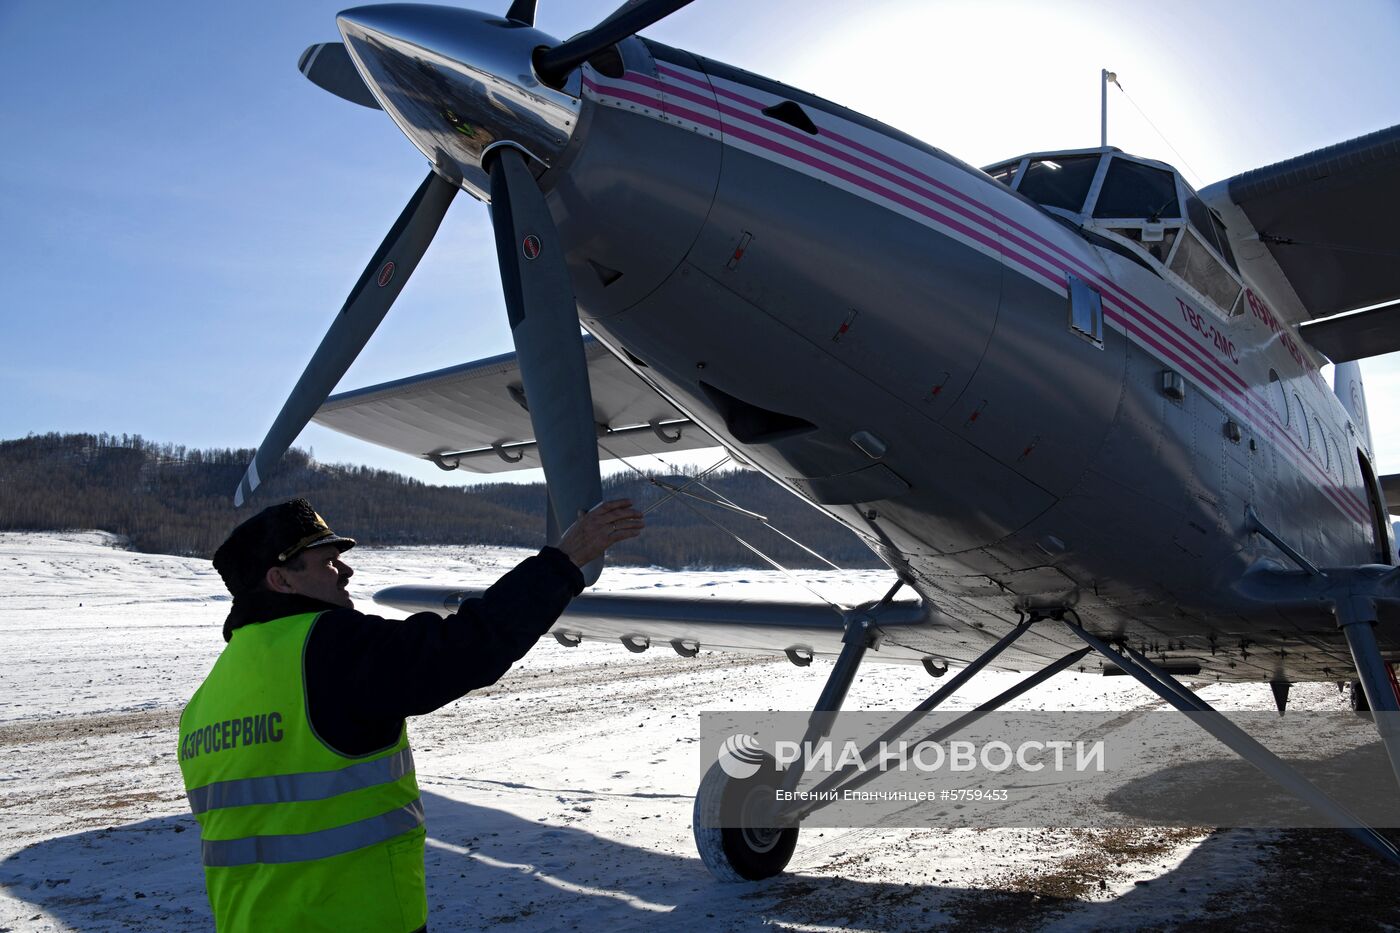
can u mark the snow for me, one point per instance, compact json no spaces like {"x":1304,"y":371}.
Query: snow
{"x":558,"y":799}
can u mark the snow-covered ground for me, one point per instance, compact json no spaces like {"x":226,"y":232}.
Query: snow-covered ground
{"x":561,"y":797}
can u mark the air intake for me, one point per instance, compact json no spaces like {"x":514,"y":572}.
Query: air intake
{"x":750,"y":424}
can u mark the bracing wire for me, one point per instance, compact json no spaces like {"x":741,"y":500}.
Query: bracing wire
{"x":698,"y":480}
{"x":773,"y":528}
{"x":723,"y":500}
{"x":679,"y":490}
{"x":1187,"y":165}
{"x":839,"y":609}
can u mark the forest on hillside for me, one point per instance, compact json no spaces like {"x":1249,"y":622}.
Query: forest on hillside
{"x":165,"y":498}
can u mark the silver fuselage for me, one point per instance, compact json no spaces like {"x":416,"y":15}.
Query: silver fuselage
{"x":884,"y":330}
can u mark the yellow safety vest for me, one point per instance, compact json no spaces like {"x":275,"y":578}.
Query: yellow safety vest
{"x":294,"y":834}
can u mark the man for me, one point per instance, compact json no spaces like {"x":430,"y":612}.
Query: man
{"x":294,"y":750}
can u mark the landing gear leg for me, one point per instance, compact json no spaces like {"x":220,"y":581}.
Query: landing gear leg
{"x":1357,"y":618}
{"x":761,"y":845}
{"x":1233,"y":737}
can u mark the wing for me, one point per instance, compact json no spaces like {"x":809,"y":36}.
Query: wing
{"x":1315,"y":231}
{"x":1390,"y":488}
{"x":1356,"y":336}
{"x":474,"y":415}
{"x":800,"y":630}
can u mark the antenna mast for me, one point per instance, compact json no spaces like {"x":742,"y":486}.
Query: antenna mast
{"x":1105,"y":76}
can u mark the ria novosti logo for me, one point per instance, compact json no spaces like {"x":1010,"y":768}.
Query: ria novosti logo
{"x":741,"y":756}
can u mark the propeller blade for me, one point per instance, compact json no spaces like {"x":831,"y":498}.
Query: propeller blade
{"x":328,"y":66}
{"x":553,"y":65}
{"x":522,"y":11}
{"x":369,"y":301}
{"x":548,"y":345}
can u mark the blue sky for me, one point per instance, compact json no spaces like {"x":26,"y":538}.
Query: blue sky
{"x":184,"y":213}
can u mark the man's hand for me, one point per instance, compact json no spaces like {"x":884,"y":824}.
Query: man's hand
{"x":600,"y":529}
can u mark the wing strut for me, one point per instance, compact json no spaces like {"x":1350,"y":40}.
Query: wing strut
{"x":1237,"y":740}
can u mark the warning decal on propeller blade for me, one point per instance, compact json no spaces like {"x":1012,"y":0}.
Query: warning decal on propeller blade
{"x":530,"y":246}
{"x":386,"y":274}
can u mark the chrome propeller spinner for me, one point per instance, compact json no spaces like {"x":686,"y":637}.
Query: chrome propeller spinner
{"x":486,"y":99}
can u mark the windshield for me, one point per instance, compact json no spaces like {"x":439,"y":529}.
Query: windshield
{"x":1131,"y":189}
{"x":1061,"y":182}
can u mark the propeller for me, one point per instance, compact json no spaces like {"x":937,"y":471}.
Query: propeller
{"x":548,"y":344}
{"x":328,"y":66}
{"x":539,"y":297}
{"x":522,"y":11}
{"x":366,"y":306}
{"x":553,"y":65}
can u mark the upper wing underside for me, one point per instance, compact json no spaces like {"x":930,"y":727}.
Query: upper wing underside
{"x":474,"y":415}
{"x":1356,"y":336}
{"x":1325,"y":220}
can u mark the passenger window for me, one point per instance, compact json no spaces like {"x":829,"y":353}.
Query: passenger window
{"x":1062,"y":182}
{"x":1322,"y":442}
{"x":1205,"y":274}
{"x":1278,"y":396}
{"x":1134,"y":190}
{"x":1303,"y":430}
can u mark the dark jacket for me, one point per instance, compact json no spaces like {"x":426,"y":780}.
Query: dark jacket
{"x":365,"y":674}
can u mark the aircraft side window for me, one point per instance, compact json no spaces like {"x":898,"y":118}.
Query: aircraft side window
{"x":1278,"y":396}
{"x":1322,"y":441}
{"x":1222,"y":240}
{"x":1199,"y":217}
{"x":1060,"y":182}
{"x":1303,"y":430}
{"x":1085,"y":311}
{"x":1203,"y":272}
{"x":1131,"y":189}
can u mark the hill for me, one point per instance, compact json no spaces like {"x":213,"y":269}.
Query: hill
{"x":165,"y":498}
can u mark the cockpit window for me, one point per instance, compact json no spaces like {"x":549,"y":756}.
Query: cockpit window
{"x":1222,"y":240}
{"x":1203,"y":272}
{"x":1209,"y":227}
{"x":1200,"y":218}
{"x":1131,"y":189}
{"x":1061,"y":182}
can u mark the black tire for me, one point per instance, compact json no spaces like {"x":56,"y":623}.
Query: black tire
{"x":1359,"y":703}
{"x":744,"y":852}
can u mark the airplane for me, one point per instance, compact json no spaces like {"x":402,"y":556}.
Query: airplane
{"x":1073,"y":403}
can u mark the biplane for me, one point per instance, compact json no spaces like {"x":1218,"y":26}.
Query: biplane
{"x":1074,"y":404}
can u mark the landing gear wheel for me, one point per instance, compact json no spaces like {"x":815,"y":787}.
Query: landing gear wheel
{"x":1359,"y":703}
{"x":753,"y":849}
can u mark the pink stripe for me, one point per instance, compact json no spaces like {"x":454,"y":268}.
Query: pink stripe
{"x":1150,"y":320}
{"x":1076,"y":264}
{"x":704,"y":120}
{"x":1232,"y":381}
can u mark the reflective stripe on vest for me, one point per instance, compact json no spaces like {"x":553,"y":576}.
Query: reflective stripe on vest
{"x":272,"y":850}
{"x":291,"y":788}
